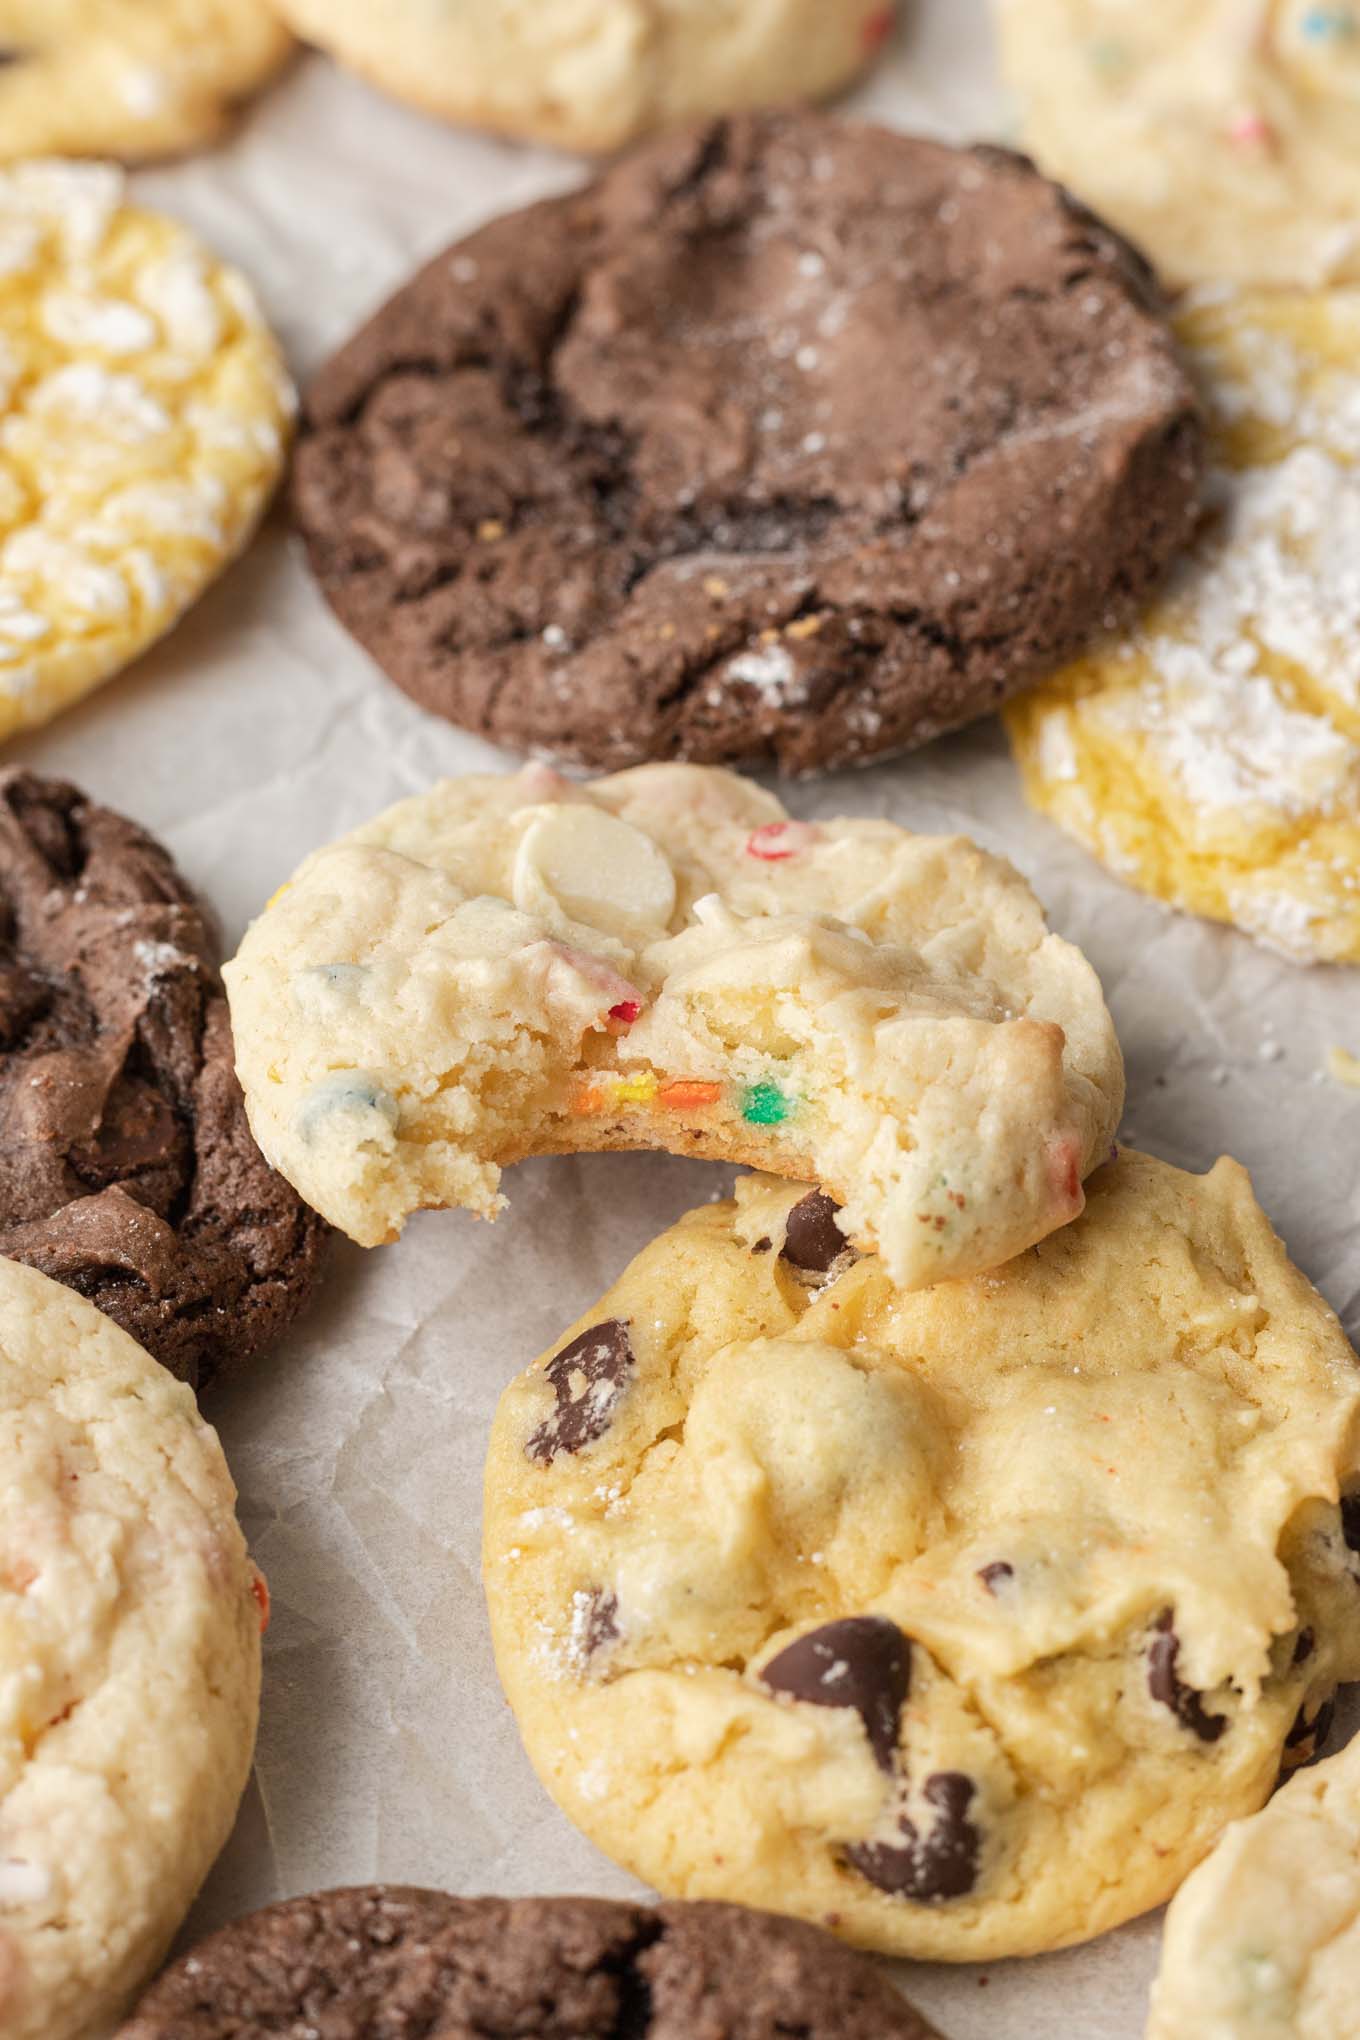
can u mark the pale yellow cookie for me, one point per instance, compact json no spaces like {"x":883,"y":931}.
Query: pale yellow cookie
{"x":1212,"y":756}
{"x":1263,"y":1941}
{"x":144,"y":418}
{"x":129,"y":1661}
{"x":594,"y":74}
{"x":960,"y":1622}
{"x":663,"y":959}
{"x":129,"y":78}
{"x":1223,"y":135}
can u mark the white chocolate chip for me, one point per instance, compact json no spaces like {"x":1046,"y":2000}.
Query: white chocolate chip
{"x":595,"y":869}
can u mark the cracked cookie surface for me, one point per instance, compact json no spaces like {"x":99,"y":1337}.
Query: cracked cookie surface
{"x":595,"y":74}
{"x":1264,"y":1938}
{"x":144,"y":416}
{"x":386,"y":1962}
{"x":1211,"y":756}
{"x":961,"y":1622}
{"x":129,"y":1661}
{"x":665,"y":959}
{"x":625,"y":476}
{"x":127,"y":1168}
{"x":133,"y":79}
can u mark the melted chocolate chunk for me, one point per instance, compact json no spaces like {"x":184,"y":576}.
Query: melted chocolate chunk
{"x":995,"y":1575}
{"x":813,"y":1242}
{"x":942,"y":1863}
{"x":588,"y":1377}
{"x":862,"y":1662}
{"x":1185,"y":1703}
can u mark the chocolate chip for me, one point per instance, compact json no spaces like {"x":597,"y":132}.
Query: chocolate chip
{"x":762,"y":1246}
{"x":862,"y":1662}
{"x":996,"y":1574}
{"x":930,"y":1867}
{"x":1315,"y":1731}
{"x":1350,"y":1521}
{"x":812,"y":1239}
{"x":595,"y":1623}
{"x":588,"y":1378}
{"x":1185,"y":1703}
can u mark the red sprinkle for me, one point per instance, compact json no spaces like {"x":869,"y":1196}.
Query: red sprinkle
{"x":259,"y":1587}
{"x":877,"y":29}
{"x":778,"y":840}
{"x":626,"y":1012}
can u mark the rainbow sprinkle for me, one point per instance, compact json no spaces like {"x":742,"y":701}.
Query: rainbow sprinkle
{"x":764,"y":1104}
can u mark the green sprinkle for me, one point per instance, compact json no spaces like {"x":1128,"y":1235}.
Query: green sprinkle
{"x":765,"y":1105}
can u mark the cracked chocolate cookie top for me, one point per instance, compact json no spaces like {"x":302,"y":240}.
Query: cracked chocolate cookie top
{"x":787,"y":440}
{"x":127,"y":1169}
{"x":391,"y":1963}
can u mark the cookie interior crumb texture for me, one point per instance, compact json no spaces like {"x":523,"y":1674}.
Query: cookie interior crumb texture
{"x":664,"y":959}
{"x":129,"y":1661}
{"x":788,"y":440}
{"x":1212,"y":755}
{"x":962,"y":1621}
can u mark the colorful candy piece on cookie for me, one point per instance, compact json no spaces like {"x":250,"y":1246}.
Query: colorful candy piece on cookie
{"x":445,"y":991}
{"x":1264,"y":1937}
{"x":388,"y":1962}
{"x":146,"y":411}
{"x":129,"y":1661}
{"x":595,"y":74}
{"x":963,"y":1619}
{"x":1211,"y":756}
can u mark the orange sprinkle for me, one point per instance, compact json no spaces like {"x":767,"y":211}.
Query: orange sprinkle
{"x":590,"y":1099}
{"x":259,"y":1587}
{"x":687,"y":1093}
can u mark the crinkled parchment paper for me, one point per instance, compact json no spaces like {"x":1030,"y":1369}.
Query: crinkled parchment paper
{"x":259,"y":731}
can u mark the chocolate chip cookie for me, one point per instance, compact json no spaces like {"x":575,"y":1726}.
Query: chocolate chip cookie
{"x":788,"y":440}
{"x":960,"y":1621}
{"x":127,"y":1169}
{"x":390,"y":1963}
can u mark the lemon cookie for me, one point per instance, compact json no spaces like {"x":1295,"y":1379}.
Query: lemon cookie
{"x":520,"y":965}
{"x":129,"y":78}
{"x":1263,"y":1942}
{"x":961,"y":1621}
{"x":594,"y":74}
{"x":129,"y":1660}
{"x":1224,"y":135}
{"x":144,"y":413}
{"x":1212,"y":756}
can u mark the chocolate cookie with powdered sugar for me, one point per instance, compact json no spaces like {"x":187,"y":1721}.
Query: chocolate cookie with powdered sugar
{"x":787,"y":440}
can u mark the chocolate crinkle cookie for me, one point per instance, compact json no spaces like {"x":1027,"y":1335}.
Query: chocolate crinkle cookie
{"x":389,"y":1963}
{"x":127,"y":1169}
{"x":787,"y":440}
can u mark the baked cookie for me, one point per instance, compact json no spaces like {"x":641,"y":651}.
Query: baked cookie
{"x":144,"y":410}
{"x":962,"y":1621}
{"x":516,"y":966}
{"x":1212,"y":755}
{"x":622,"y":476}
{"x":127,"y":1169}
{"x":391,"y":1963}
{"x":129,"y":78}
{"x":1264,"y":1938}
{"x":594,"y":74}
{"x":129,"y":1661}
{"x":1222,"y":135}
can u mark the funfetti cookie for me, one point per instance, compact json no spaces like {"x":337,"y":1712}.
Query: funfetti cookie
{"x":1211,"y":755}
{"x":127,"y":1168}
{"x":664,"y":959}
{"x":129,"y":78}
{"x":389,"y":1963}
{"x":962,"y":1621}
{"x":1222,"y":135}
{"x":594,"y":74}
{"x":788,"y":440}
{"x":1264,"y":1938}
{"x":144,"y":414}
{"x":129,"y":1660}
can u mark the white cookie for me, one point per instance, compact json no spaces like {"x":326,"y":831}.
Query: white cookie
{"x":129,"y":1660}
{"x":514,"y":966}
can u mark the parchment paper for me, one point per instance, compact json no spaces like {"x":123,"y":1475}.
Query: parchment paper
{"x":259,"y":731}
